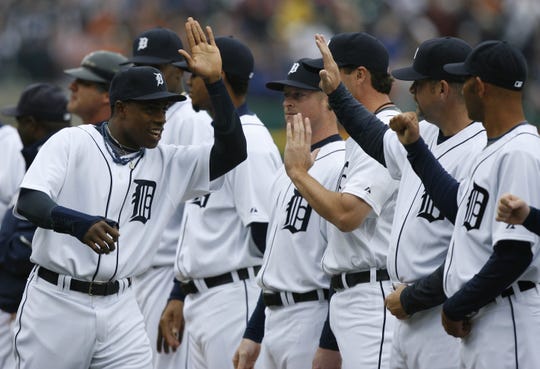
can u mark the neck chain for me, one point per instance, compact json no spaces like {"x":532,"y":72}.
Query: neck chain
{"x":381,"y":108}
{"x":120,"y":154}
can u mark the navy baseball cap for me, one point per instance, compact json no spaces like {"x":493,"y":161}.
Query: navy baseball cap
{"x":141,"y":83}
{"x":236,"y":57}
{"x":495,"y":62}
{"x":43,"y":101}
{"x":299,"y":77}
{"x":430,"y":58}
{"x":355,"y":49}
{"x":158,"y":46}
{"x":98,"y":66}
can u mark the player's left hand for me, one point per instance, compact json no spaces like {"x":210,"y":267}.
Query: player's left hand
{"x":205,"y":59}
{"x":297,"y":155}
{"x":246,"y":354}
{"x":326,"y":359}
{"x":460,"y":328}
{"x":512,"y":209}
{"x":102,"y":236}
{"x":171,"y":327}
{"x":406,"y":126}
{"x":393,"y":303}
{"x":330,"y":77}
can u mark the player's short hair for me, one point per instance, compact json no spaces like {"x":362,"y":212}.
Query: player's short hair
{"x":380,"y":81}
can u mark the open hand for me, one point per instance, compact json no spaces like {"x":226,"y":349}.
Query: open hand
{"x":297,"y":155}
{"x":330,"y":77}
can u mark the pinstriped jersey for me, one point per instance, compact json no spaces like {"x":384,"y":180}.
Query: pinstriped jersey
{"x":75,"y":169}
{"x":12,"y":166}
{"x":297,"y":235}
{"x":511,"y":164}
{"x":420,"y":233}
{"x":365,"y":247}
{"x":215,"y":237}
{"x":184,"y":127}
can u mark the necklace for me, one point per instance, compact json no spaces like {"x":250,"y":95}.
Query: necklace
{"x":381,"y":108}
{"x":125,"y":149}
{"x":120,"y":154}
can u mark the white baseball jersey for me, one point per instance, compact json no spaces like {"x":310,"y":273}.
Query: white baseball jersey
{"x":297,"y":235}
{"x":510,"y":164}
{"x":365,"y":247}
{"x":12,"y":166}
{"x":75,"y":169}
{"x":420,"y":233}
{"x":184,"y":126}
{"x":215,"y":237}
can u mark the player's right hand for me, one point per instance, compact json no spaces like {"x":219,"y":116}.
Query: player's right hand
{"x":297,"y":155}
{"x":330,"y":77}
{"x":326,"y":359}
{"x":171,"y":326}
{"x":102,"y":236}
{"x":246,"y":354}
{"x":406,"y":126}
{"x":393,"y":303}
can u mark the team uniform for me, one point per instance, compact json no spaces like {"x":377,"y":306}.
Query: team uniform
{"x":11,"y":174}
{"x":419,"y":243}
{"x":216,"y":257}
{"x":504,"y":332}
{"x":296,"y":240}
{"x":357,"y":262}
{"x":141,"y":196}
{"x":184,"y":127}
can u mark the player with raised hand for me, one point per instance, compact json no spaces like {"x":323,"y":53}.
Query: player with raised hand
{"x":360,"y":208}
{"x":491,"y":271}
{"x":293,"y":307}
{"x":513,"y":210}
{"x":120,"y":217}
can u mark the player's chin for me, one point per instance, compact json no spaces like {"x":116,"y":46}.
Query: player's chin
{"x":152,"y":139}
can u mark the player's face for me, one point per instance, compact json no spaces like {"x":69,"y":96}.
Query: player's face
{"x":473,"y":102}
{"x":198,"y":93}
{"x":86,"y":98}
{"x":307,"y":102}
{"x":425,"y":96}
{"x":142,"y":123}
{"x":173,"y":77}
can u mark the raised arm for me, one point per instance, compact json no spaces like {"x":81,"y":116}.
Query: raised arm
{"x":230,"y":147}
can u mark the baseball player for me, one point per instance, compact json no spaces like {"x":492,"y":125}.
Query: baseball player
{"x":514,"y":210}
{"x":219,"y":251}
{"x":159,"y":47}
{"x":451,"y":137}
{"x":40,"y":112}
{"x":95,"y":235}
{"x":90,"y":89}
{"x":361,"y":211}
{"x":491,"y":270}
{"x":295,"y":287}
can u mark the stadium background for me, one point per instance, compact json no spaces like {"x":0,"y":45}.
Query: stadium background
{"x":40,"y":38}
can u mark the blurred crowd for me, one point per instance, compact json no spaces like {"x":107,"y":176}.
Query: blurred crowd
{"x":40,"y":38}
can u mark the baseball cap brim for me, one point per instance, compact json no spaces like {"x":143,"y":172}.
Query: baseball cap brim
{"x":408,"y":74}
{"x":85,"y":74}
{"x":457,"y":69}
{"x":150,"y":60}
{"x":10,"y":111}
{"x":279,"y":85}
{"x":161,"y":95}
{"x":182,"y":65}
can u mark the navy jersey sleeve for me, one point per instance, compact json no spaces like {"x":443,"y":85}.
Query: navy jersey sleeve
{"x":532,"y":222}
{"x":363,"y":126}
{"x":255,"y":327}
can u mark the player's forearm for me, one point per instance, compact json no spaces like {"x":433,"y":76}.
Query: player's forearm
{"x":424,"y":294}
{"x":230,"y":148}
{"x":363,"y":126}
{"x":328,"y":204}
{"x":532,"y":222}
{"x":439,"y":184}
{"x":36,"y":206}
{"x":255,"y":327}
{"x":509,"y":260}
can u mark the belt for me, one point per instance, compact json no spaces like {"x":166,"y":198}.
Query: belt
{"x":522,"y":285}
{"x":274,"y":298}
{"x":91,"y":288}
{"x":352,"y":279}
{"x":218,"y":280}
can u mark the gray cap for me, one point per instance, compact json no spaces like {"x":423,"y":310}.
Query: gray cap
{"x":98,"y":66}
